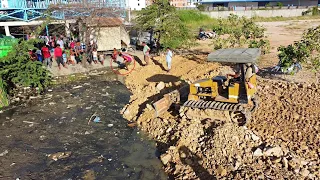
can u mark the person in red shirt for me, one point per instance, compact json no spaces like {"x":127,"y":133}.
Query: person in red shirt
{"x":46,"y":56}
{"x":114,"y":54}
{"x":33,"y":55}
{"x":58,"y":56}
{"x":72,"y":44}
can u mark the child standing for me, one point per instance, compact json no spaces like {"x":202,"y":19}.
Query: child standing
{"x":72,"y":56}
{"x":169,"y":59}
{"x":95,"y":56}
{"x":39,"y":55}
{"x":101,"y":57}
{"x":64,"y":56}
{"x":67,"y":52}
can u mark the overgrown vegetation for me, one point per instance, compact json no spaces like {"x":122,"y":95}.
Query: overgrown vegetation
{"x":240,"y":32}
{"x":314,"y":11}
{"x":17,"y":70}
{"x":166,"y":24}
{"x":280,"y":5}
{"x":307,"y":50}
{"x":201,"y":7}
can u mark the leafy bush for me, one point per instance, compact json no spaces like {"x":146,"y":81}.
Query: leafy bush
{"x":280,"y":4}
{"x":263,"y":44}
{"x":17,"y":69}
{"x":297,"y":52}
{"x":201,"y":7}
{"x":314,"y":11}
{"x":240,"y":31}
{"x":219,"y":43}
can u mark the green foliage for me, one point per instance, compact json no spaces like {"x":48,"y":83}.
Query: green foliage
{"x":280,"y":4}
{"x":220,"y":43}
{"x":305,"y":50}
{"x":240,"y":31}
{"x":201,"y":7}
{"x":17,"y":69}
{"x":297,"y":52}
{"x":166,"y":24}
{"x":315,"y":62}
{"x":263,"y":44}
{"x":189,"y":16}
{"x":315,"y":11}
{"x":268,"y":5}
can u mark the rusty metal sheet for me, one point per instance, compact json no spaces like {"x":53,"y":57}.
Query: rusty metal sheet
{"x":162,"y":105}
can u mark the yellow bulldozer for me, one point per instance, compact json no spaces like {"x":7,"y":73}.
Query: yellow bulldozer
{"x":220,"y":97}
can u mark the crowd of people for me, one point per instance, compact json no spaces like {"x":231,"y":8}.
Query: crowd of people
{"x":127,"y":58}
{"x":65,"y":52}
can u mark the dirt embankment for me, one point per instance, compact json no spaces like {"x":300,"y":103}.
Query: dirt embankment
{"x":282,"y":140}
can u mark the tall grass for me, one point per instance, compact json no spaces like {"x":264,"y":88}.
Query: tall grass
{"x":188,"y":16}
{"x":195,"y":19}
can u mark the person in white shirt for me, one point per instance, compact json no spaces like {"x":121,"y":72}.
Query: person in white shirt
{"x":169,"y":58}
{"x":61,"y":43}
{"x":95,"y":56}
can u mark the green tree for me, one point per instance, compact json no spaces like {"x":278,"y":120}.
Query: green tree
{"x":17,"y":69}
{"x":201,"y":7}
{"x":163,"y":19}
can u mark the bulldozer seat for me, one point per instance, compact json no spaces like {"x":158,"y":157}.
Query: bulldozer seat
{"x":219,"y":79}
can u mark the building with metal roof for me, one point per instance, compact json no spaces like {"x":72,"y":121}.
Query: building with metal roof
{"x":29,"y":10}
{"x":256,"y":3}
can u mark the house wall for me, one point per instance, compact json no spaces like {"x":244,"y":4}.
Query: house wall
{"x":109,"y":38}
{"x":179,"y":3}
{"x":124,"y":35}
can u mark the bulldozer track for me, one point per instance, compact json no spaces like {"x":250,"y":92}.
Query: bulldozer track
{"x":213,"y":105}
{"x":236,"y":112}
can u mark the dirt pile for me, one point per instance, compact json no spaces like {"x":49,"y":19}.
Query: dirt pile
{"x":281,"y":142}
{"x":289,"y":115}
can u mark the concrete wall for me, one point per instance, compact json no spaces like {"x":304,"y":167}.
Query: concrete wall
{"x":260,"y":13}
{"x":248,"y":4}
{"x":109,"y":38}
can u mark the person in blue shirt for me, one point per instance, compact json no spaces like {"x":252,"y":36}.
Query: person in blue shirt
{"x":169,"y":58}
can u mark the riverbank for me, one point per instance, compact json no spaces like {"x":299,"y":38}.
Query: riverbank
{"x":57,"y":135}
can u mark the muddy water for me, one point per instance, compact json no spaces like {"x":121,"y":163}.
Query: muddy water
{"x":57,"y":122}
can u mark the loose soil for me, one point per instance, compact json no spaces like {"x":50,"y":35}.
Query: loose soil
{"x":281,"y":142}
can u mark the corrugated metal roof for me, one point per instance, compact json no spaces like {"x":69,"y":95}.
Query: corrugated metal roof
{"x":235,"y":55}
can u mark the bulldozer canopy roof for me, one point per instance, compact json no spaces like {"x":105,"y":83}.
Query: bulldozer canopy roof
{"x":236,"y":55}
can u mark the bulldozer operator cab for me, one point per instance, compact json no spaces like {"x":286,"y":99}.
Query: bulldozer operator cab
{"x":239,"y":87}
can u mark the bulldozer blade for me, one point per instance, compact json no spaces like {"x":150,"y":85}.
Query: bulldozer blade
{"x":162,"y":105}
